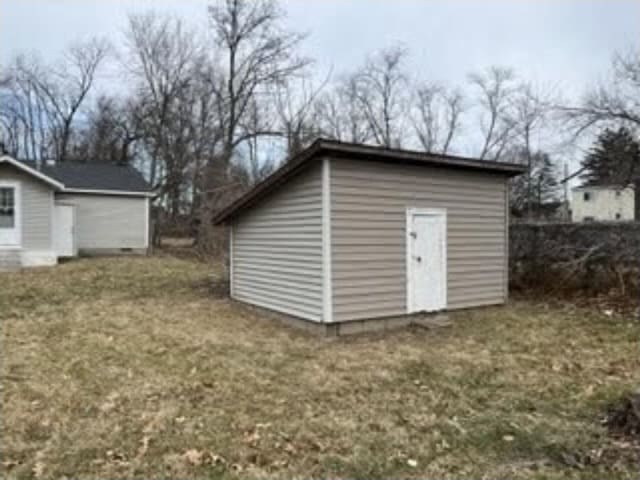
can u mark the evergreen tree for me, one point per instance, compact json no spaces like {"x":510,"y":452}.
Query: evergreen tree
{"x":545,"y":179}
{"x":614,"y":159}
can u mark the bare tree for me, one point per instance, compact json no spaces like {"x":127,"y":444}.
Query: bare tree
{"x":161,"y":59}
{"x":110,"y":132}
{"x":339,"y":114}
{"x":436,"y":117}
{"x":295,"y":102}
{"x":615,"y":101}
{"x":67,"y":87}
{"x":260,"y":117}
{"x":255,"y":53}
{"x":531,"y":106}
{"x":495,"y":87}
{"x":177,"y":108}
{"x":41,"y":103}
{"x":25,"y":114}
{"x":380,"y":90}
{"x":258,"y":54}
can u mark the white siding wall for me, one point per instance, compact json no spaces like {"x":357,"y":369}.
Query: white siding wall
{"x":277,"y":249}
{"x":603,"y":204}
{"x":368,"y":212}
{"x":107,"y":222}
{"x":37,"y":207}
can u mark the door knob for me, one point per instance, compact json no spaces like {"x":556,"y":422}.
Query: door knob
{"x":419,"y":259}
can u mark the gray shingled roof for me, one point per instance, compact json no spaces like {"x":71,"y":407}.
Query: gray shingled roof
{"x":95,"y":176}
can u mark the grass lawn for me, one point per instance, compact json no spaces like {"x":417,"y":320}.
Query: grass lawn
{"x":131,"y":367}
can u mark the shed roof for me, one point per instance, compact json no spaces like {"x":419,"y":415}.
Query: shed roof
{"x":97,"y":176}
{"x":614,"y":187}
{"x":337,"y":149}
{"x":86,"y":177}
{"x":27,"y":168}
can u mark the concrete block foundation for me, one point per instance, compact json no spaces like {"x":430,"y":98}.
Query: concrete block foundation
{"x":355,"y":327}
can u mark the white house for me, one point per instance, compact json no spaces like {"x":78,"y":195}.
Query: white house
{"x":69,"y":209}
{"x":603,"y":203}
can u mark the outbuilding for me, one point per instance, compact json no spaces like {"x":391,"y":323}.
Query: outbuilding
{"x":54,"y":211}
{"x":349,"y":237}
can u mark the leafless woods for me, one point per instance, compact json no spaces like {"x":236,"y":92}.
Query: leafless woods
{"x":206,"y":113}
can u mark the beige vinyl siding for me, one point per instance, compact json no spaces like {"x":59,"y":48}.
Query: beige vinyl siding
{"x":368,"y":211}
{"x":277,"y":249}
{"x":37,"y":207}
{"x":108,"y":221}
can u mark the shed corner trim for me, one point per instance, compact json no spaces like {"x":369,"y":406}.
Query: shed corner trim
{"x":327,"y":290}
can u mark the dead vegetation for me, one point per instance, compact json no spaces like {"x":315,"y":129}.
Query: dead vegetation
{"x":591,"y":264}
{"x":120,"y":368}
{"x":624,"y":417}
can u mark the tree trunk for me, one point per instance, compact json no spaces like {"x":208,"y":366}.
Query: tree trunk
{"x":209,"y":240}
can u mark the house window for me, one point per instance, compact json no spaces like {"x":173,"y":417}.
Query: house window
{"x":617,"y":193}
{"x":588,"y":219}
{"x":618,"y":216}
{"x":7,"y":207}
{"x":586,"y":196}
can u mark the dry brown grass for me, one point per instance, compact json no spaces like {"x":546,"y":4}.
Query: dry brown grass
{"x":131,"y":368}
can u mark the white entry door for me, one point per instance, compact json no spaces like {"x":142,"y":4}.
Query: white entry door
{"x":426,"y":260}
{"x":10,"y":206}
{"x":64,"y":238}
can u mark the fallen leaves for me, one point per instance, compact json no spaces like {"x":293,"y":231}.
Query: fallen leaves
{"x":456,"y":424}
{"x":39,"y":466}
{"x":194,"y":457}
{"x":38,"y":469}
{"x":117,"y":457}
{"x":144,"y":446}
{"x":238,"y":393}
{"x":197,"y":458}
{"x":252,"y":438}
{"x":110,"y":403}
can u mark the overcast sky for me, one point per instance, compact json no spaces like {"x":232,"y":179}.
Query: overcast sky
{"x":565,"y":43}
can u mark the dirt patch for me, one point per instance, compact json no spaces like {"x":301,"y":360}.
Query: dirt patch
{"x":623,"y":418}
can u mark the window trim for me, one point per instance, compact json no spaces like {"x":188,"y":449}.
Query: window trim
{"x":11,"y":206}
{"x":17,"y":227}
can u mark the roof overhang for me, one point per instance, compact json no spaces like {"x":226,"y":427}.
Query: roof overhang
{"x":630,"y":186}
{"x":336,"y":149}
{"x":125,"y":193}
{"x":31,"y":171}
{"x":61,"y":186}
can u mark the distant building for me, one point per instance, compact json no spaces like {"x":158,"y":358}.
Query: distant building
{"x":603,"y":203}
{"x":69,"y":209}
